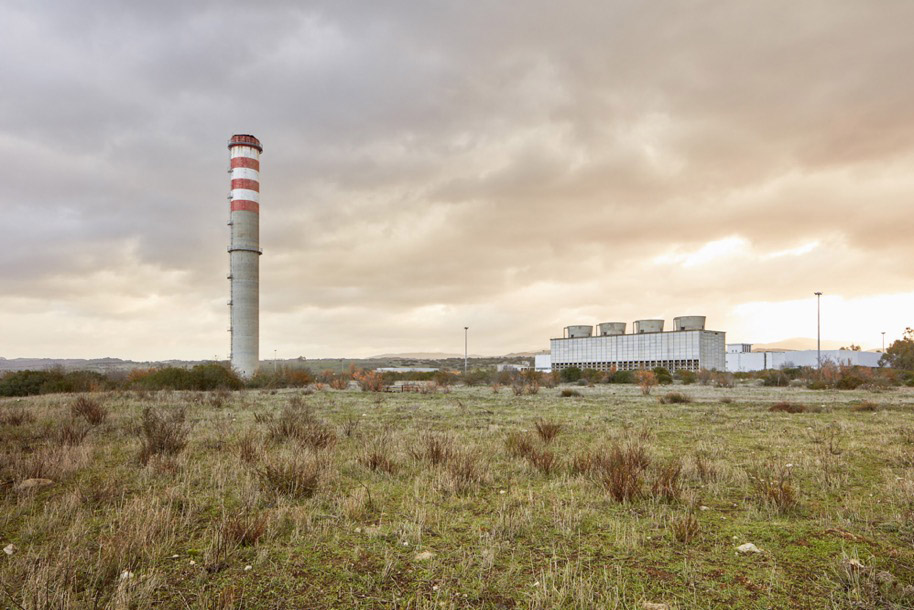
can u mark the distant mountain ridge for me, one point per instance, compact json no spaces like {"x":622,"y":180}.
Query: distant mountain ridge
{"x":802,"y":343}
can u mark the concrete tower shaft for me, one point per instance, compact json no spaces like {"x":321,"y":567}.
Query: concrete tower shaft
{"x":244,"y":253}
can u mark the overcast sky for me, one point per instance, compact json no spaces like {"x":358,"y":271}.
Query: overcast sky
{"x":513,"y":167}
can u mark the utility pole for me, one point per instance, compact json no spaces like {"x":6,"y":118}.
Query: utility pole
{"x":818,"y":331}
{"x":465,"y":357}
{"x":883,"y":342}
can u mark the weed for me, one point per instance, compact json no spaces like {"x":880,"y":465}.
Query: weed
{"x":297,"y":476}
{"x":89,"y":409}
{"x":787,"y":407}
{"x":16,"y":417}
{"x":301,"y":426}
{"x":464,"y":471}
{"x":667,"y":486}
{"x":671,"y":398}
{"x":163,"y":434}
{"x":706,"y":470}
{"x":622,"y":470}
{"x":377,"y":458}
{"x":436,"y":449}
{"x":249,"y":448}
{"x":244,"y":528}
{"x":685,"y":528}
{"x":547,"y":430}
{"x":543,"y":460}
{"x":519,"y":444}
{"x":71,"y":433}
{"x":569,"y":393}
{"x":350,"y":426}
{"x":773,"y":486}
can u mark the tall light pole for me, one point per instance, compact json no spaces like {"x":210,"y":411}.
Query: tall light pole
{"x":818,"y":330}
{"x":883,"y":342}
{"x":465,"y":329}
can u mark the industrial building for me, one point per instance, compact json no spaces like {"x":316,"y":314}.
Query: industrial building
{"x":244,"y":253}
{"x":688,"y":346}
{"x":741,"y":358}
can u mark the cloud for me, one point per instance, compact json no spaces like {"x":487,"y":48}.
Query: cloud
{"x":512,"y":166}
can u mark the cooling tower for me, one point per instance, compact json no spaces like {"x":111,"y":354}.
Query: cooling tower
{"x":689,"y":323}
{"x":611,"y":328}
{"x":648,"y":326}
{"x":579,"y":330}
{"x":244,"y":253}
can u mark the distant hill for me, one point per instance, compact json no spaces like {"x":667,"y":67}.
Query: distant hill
{"x":421,"y":356}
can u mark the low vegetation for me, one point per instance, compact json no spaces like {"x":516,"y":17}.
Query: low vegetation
{"x":752,"y":496}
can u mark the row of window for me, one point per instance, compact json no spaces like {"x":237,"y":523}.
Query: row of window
{"x":632,"y":365}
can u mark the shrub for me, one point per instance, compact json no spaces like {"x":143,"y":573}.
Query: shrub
{"x":300,"y":425}
{"x":519,"y":444}
{"x":29,"y":383}
{"x":622,"y":377}
{"x":592,"y":376}
{"x":71,"y":434}
{"x":774,"y":378}
{"x":787,"y":407}
{"x":370,"y":381}
{"x":377,"y":458}
{"x":663,"y":375}
{"x":569,"y":393}
{"x":622,"y":470}
{"x":570,"y":374}
{"x":685,"y":528}
{"x":686,"y":376}
{"x":15,"y":417}
{"x":646,"y":380}
{"x":201,"y":377}
{"x":666,"y":486}
{"x":547,"y":430}
{"x":281,"y":377}
{"x":775,"y":490}
{"x":434,"y":448}
{"x":297,"y":476}
{"x":675,"y":398}
{"x":865,"y":406}
{"x":545,"y":461}
{"x":89,"y":409}
{"x":722,"y":379}
{"x":163,"y":434}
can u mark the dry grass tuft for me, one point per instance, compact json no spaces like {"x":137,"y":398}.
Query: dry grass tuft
{"x":465,"y":470}
{"x":250,"y":448}
{"x":16,"y":417}
{"x":377,"y":458}
{"x":787,"y":407}
{"x":569,"y":393}
{"x":244,"y":528}
{"x":671,"y":398}
{"x":865,"y":407}
{"x":436,"y":449}
{"x":71,"y":433}
{"x":519,"y":444}
{"x":685,"y":528}
{"x":773,"y":487}
{"x":706,"y":470}
{"x":548,"y":430}
{"x":163,"y":433}
{"x":667,"y":485}
{"x":89,"y":409}
{"x":622,"y":471}
{"x":296,"y":477}
{"x":301,"y":426}
{"x":543,"y":460}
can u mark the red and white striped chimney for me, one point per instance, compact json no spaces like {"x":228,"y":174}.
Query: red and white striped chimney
{"x":244,"y":253}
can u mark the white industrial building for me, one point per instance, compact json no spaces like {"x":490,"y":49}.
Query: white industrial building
{"x":741,"y":358}
{"x":542,"y":363}
{"x":688,"y":346}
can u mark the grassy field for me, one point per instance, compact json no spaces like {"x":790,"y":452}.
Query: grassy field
{"x":345,"y":499}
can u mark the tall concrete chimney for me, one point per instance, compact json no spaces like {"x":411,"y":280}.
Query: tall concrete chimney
{"x":244,"y":253}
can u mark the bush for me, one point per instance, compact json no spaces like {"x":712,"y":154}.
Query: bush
{"x":30,"y":383}
{"x":570,"y":374}
{"x":663,"y":375}
{"x":548,"y":430}
{"x":163,"y":434}
{"x":89,"y":409}
{"x":622,"y":470}
{"x":201,"y":377}
{"x":675,"y":398}
{"x":686,"y":376}
{"x":283,"y":377}
{"x":622,"y":377}
{"x":647,"y":380}
{"x":787,"y":407}
{"x":569,"y":393}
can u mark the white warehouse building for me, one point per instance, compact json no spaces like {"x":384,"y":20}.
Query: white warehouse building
{"x":688,"y":346}
{"x":741,"y":358}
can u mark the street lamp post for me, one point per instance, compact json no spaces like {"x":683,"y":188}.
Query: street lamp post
{"x":818,"y":330}
{"x":465,"y":329}
{"x":883,"y":342}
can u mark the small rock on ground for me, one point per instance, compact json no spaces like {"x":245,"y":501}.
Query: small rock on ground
{"x":654,"y":606}
{"x":424,"y":555}
{"x":9,"y":549}
{"x":748,"y":548}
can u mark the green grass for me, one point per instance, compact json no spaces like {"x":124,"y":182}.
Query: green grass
{"x":502,"y":532}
